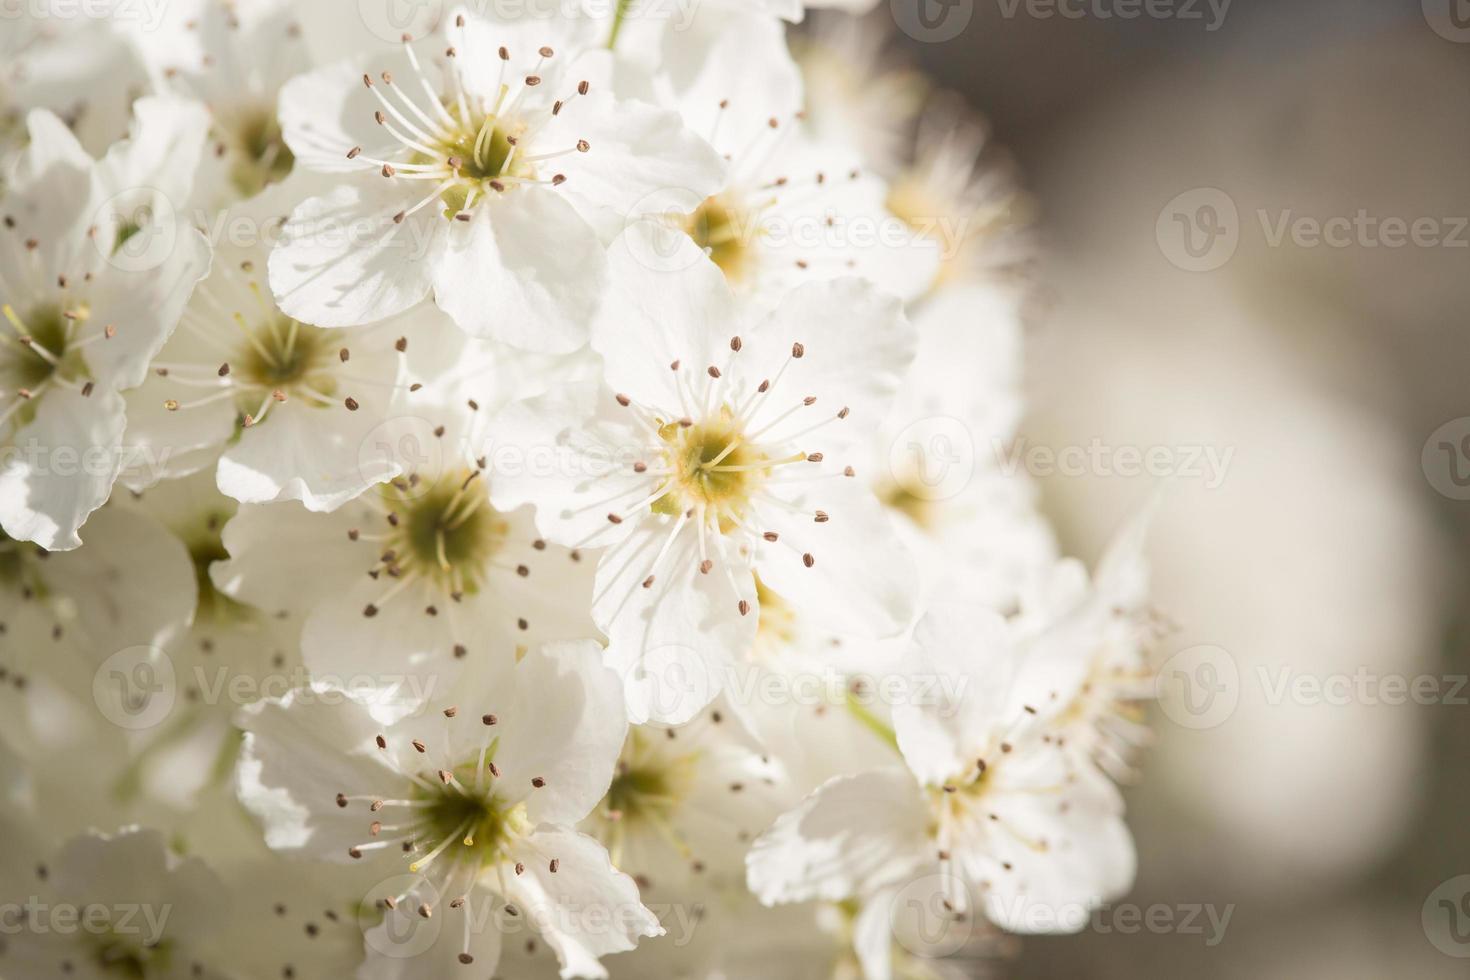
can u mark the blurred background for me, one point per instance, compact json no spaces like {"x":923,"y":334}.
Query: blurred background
{"x":1186,"y":165}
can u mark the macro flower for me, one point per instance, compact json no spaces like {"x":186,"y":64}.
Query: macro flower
{"x":792,"y":208}
{"x":284,"y":408}
{"x":64,"y":613}
{"x":990,"y":809}
{"x":149,"y":913}
{"x":474,"y":803}
{"x":529,"y":493}
{"x":78,"y":68}
{"x":233,"y":58}
{"x":475,"y":172}
{"x":952,"y":193}
{"x":84,"y":312}
{"x":713,"y":457}
{"x":416,"y":581}
{"x":684,"y":803}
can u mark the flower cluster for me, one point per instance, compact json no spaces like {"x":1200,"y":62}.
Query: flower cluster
{"x":510,"y":493}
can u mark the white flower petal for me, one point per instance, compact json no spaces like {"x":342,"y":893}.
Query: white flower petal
{"x":561,"y":720}
{"x":394,"y":950}
{"x":119,"y":606}
{"x":586,"y":909}
{"x":526,"y":270}
{"x":862,"y":579}
{"x":304,"y":452}
{"x":636,"y":154}
{"x":561,"y":452}
{"x":298,"y":753}
{"x":856,"y":346}
{"x":672,"y":641}
{"x":967,"y":648}
{"x":258,"y":572}
{"x":664,"y":300}
{"x":66,"y":459}
{"x":342,"y":260}
{"x":852,"y":835}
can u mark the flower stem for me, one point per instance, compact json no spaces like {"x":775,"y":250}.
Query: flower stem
{"x":617,"y":24}
{"x":871,"y":721}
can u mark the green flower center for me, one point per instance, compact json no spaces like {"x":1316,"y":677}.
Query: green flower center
{"x":646,"y":792}
{"x":446,"y":531}
{"x":46,"y":331}
{"x":713,"y":467}
{"x":479,"y":826}
{"x":480,"y":151}
{"x":898,"y":495}
{"x":122,"y":956}
{"x":722,"y":231}
{"x":283,"y":353}
{"x":262,"y":154}
{"x":205,"y":544}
